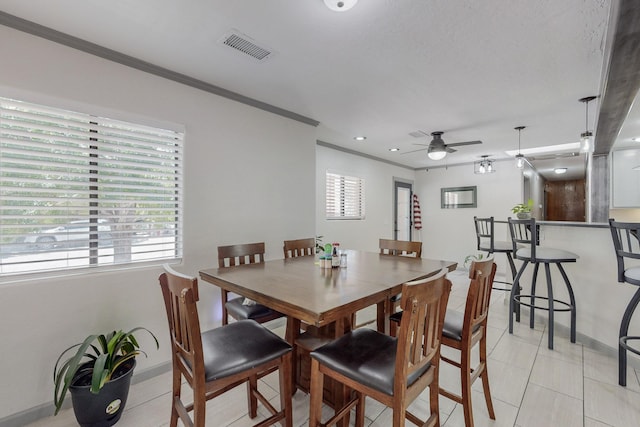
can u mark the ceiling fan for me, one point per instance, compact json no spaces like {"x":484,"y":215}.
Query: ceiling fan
{"x":437,"y":149}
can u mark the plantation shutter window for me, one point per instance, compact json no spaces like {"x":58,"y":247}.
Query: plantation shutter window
{"x":344,"y":196}
{"x":78,"y":190}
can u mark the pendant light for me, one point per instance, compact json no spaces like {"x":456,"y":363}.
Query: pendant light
{"x":519,"y":157}
{"x":586,"y":145}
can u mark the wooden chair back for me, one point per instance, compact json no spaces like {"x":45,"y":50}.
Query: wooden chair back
{"x":299,"y":247}
{"x":626,"y":242}
{"x":400,"y":248}
{"x":180,"y":294}
{"x":248,"y":253}
{"x":476,"y":309}
{"x":424,"y":304}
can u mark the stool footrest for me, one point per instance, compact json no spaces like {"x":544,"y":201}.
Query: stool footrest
{"x":495,"y":288}
{"x":566,"y":304}
{"x":624,"y":343}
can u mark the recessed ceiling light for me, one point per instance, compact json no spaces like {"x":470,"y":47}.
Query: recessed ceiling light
{"x":359,"y":138}
{"x":560,"y":170}
{"x":394,"y":149}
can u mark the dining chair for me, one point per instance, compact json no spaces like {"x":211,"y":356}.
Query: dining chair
{"x":240,"y":307}
{"x":393,"y":371}
{"x":462,"y":331}
{"x":215,"y":361}
{"x":626,"y":243}
{"x":299,"y":247}
{"x":486,"y":242}
{"x":395,"y":248}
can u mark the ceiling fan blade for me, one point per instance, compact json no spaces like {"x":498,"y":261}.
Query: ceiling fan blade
{"x":450,"y":150}
{"x":457,"y":144}
{"x":415,"y":151}
{"x":423,"y":145}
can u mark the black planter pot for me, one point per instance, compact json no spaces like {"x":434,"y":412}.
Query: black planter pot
{"x":105,"y":408}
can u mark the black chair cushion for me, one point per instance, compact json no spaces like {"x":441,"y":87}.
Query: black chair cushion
{"x":366,"y":356}
{"x":239,"y":346}
{"x":453,"y":324}
{"x":396,"y":317}
{"x":547,"y":255}
{"x":240,"y":311}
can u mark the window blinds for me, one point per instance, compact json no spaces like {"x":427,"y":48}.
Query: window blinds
{"x":78,"y":190}
{"x":344,"y":196}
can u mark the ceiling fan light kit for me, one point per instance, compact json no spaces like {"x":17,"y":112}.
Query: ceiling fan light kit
{"x":484,"y":166}
{"x":340,"y":5}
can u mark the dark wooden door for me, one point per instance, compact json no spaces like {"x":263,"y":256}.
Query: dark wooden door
{"x":565,"y":200}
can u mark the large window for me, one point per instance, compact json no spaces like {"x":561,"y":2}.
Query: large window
{"x":344,"y":196}
{"x":78,"y":190}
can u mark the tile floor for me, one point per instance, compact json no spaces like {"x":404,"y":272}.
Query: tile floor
{"x":532,"y":386}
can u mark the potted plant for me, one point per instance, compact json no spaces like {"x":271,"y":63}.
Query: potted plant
{"x":98,"y":375}
{"x":470,"y":258}
{"x":523,"y":211}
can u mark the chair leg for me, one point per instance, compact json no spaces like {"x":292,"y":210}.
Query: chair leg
{"x":515,"y":291}
{"x":252,"y":401}
{"x":465,"y":377}
{"x":315,"y":392}
{"x":360,"y":410}
{"x":177,"y":384}
{"x":624,"y":331}
{"x":512,"y":265}
{"x":534,"y":282}
{"x":199,"y":408}
{"x":572,"y":301}
{"x":551,"y":312}
{"x":434,"y":398}
{"x":484,"y":376}
{"x":285,"y":372}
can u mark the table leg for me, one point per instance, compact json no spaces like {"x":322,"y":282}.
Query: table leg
{"x":291,"y":334}
{"x":383,"y":313}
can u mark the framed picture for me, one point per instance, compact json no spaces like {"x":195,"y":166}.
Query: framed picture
{"x":458,"y":197}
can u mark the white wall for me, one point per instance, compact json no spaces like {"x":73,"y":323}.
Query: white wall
{"x":449,"y":233}
{"x":238,"y":161}
{"x":378,"y":176}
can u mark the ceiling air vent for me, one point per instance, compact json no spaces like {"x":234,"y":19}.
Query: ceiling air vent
{"x":242,"y":43}
{"x":418,"y":134}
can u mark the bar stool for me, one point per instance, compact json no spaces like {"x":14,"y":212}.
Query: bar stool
{"x":487,"y":243}
{"x":626,"y":242}
{"x":525,"y":232}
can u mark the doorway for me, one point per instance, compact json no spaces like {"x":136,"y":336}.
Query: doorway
{"x":402,"y":192}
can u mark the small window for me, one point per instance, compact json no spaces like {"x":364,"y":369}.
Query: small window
{"x":77,"y":190}
{"x":344,"y":196}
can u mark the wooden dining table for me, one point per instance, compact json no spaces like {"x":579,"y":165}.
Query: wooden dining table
{"x":324,"y":299}
{"x":303,"y":291}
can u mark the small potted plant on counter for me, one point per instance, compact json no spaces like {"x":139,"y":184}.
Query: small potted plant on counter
{"x":522,"y":210}
{"x":98,"y":376}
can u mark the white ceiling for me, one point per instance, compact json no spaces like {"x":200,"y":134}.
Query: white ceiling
{"x":473,"y":69}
